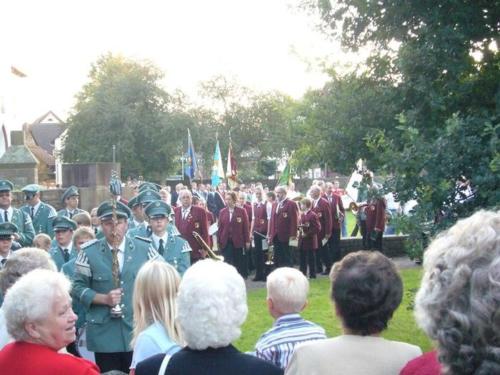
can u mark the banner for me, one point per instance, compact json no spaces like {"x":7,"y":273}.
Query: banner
{"x":217,"y":168}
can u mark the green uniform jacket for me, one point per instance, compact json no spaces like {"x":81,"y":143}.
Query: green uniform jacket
{"x":93,"y":275}
{"x":142,"y":230}
{"x":176,"y":251}
{"x":57,"y":255}
{"x":68,"y":269}
{"x":44,"y":216}
{"x":24,"y":225}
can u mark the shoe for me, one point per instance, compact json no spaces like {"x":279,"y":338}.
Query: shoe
{"x":325,"y":273}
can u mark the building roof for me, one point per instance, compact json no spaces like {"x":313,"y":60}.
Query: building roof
{"x":18,"y":155}
{"x":45,"y":130}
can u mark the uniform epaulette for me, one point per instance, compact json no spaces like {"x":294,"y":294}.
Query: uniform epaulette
{"x":145,"y":239}
{"x":89,"y":243}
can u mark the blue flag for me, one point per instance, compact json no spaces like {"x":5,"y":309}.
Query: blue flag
{"x":217,"y":168}
{"x":191,"y":164}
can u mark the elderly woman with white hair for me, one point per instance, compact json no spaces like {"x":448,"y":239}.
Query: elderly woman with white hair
{"x":458,"y":303}
{"x":211,"y":309}
{"x":20,"y":263}
{"x":40,"y":319}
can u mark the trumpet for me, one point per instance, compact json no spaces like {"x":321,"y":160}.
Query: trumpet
{"x":270,"y":256}
{"x":207,"y":248}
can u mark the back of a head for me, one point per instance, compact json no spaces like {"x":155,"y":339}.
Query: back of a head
{"x":458,"y":302}
{"x":366,"y":290}
{"x":211,"y":304}
{"x":155,"y":294}
{"x":23,"y":261}
{"x":287,"y":288}
{"x":82,"y":219}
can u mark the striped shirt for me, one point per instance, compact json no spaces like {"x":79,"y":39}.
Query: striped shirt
{"x":277,"y":344}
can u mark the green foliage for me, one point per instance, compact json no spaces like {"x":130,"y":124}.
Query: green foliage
{"x":266,"y":167}
{"x":319,"y":310}
{"x":123,"y":105}
{"x":440,"y":67}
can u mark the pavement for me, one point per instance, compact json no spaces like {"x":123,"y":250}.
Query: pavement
{"x":401,"y":263}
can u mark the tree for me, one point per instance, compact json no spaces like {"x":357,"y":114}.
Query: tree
{"x":442,"y":59}
{"x":124,"y":105}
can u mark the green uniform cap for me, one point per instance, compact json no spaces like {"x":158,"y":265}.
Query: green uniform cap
{"x":133,"y":202}
{"x":150,"y":186}
{"x":63,"y":223}
{"x":105,"y":210}
{"x":148,"y":196}
{"x":7,"y":230}
{"x":158,"y":208}
{"x":32,"y":188}
{"x":70,"y":192}
{"x":6,"y":185}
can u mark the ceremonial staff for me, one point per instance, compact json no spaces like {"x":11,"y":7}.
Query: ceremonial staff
{"x":115,"y":188}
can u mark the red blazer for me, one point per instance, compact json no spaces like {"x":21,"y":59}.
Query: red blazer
{"x":195,"y":222}
{"x":324,"y":212}
{"x":336,"y":208}
{"x":260,"y":218}
{"x":210,"y":220}
{"x":311,"y":228}
{"x":248,"y":209}
{"x":23,"y":358}
{"x":283,"y":223}
{"x":237,"y":229}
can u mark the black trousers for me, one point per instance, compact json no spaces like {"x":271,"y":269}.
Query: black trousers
{"x":375,"y":244}
{"x":114,"y":361}
{"x":258,"y":256}
{"x":323,"y":258}
{"x":236,"y":257}
{"x":282,"y":255}
{"x":364,"y":233}
{"x":308,"y":258}
{"x":334,"y":246}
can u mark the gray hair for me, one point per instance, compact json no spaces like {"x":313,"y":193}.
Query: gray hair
{"x":287,"y":288}
{"x":458,"y":302}
{"x":184,"y":192}
{"x":23,"y":261}
{"x":31,"y":299}
{"x":211,"y":304}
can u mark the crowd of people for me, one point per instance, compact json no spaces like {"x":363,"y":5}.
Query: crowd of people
{"x":129,"y":286}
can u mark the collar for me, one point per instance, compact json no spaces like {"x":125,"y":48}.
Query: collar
{"x":186,"y":209}
{"x":10,"y":210}
{"x":157,"y":239}
{"x":69,"y":247}
{"x":37,"y":206}
{"x":6,"y":257}
{"x":121,"y":248}
{"x":287,"y":318}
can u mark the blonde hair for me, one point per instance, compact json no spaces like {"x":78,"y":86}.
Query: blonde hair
{"x":155,"y":294}
{"x":42,"y":241}
{"x":83,"y":232}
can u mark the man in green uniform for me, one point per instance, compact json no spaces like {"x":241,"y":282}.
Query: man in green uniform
{"x":144,"y":198}
{"x":26,"y":232}
{"x":62,"y":251}
{"x":165,"y":237}
{"x":105,"y":271}
{"x":70,"y":199}
{"x":42,"y":214}
{"x":7,"y":232}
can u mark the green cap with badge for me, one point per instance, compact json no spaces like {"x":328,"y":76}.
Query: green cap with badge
{"x":158,"y":209}
{"x":70,"y":192}
{"x":62,"y":223}
{"x":30,"y":190}
{"x":105,"y":210}
{"x":150,"y":186}
{"x":133,"y":202}
{"x":7,"y":230}
{"x":147,"y":196}
{"x":6,"y":185}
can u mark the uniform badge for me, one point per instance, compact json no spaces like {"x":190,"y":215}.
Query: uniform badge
{"x":262,"y":221}
{"x":320,"y":214}
{"x":285,"y":215}
{"x":196,"y":225}
{"x":238,"y":219}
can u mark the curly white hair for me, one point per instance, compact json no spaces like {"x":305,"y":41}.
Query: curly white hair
{"x":211,"y":305}
{"x":458,"y":302}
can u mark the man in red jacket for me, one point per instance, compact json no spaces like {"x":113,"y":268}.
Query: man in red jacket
{"x":375,"y":219}
{"x":310,"y":227}
{"x":322,"y":209}
{"x":189,"y":219}
{"x":259,"y":232}
{"x":338,"y":214}
{"x":283,"y":227}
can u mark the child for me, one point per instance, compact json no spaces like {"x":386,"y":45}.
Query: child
{"x":309,"y":227}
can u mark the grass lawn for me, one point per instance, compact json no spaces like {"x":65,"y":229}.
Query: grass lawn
{"x":401,"y":328}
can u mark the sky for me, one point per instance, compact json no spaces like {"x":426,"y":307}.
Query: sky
{"x":263,"y":44}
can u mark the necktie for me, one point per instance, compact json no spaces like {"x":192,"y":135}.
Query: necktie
{"x":161,"y":248}
{"x":71,"y":215}
{"x":5,"y":216}
{"x":32,"y":212}
{"x":184,"y":214}
{"x":115,"y":268}
{"x":66,"y":255}
{"x":3,"y":261}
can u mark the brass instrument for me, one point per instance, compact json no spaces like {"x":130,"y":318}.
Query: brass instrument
{"x":207,"y":248}
{"x":270,"y":256}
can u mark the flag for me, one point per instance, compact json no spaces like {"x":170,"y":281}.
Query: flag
{"x":217,"y":168}
{"x":17,"y":72}
{"x":286,"y":176}
{"x":191,"y":165}
{"x":231,"y":171}
{"x":4,"y":142}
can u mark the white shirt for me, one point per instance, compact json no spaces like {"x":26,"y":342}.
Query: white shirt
{"x":9,"y":214}
{"x":315,"y":202}
{"x":121,"y":253}
{"x":185,"y":212}
{"x":156,"y":240}
{"x":35,"y":208}
{"x":2,"y":258}
{"x":231,"y":214}
{"x":269,"y":210}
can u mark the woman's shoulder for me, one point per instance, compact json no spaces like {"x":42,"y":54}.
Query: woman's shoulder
{"x":156,"y":333}
{"x":75,"y":365}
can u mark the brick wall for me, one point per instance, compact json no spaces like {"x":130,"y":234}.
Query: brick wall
{"x":392,"y":245}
